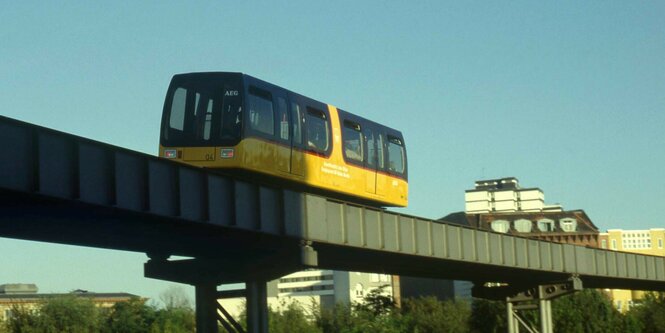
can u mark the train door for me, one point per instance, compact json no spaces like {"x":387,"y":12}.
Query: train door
{"x":288,"y":132}
{"x":261,"y":153}
{"x":297,"y":146}
{"x":282,"y":134}
{"x":371,"y":160}
{"x":376,"y":179}
{"x":381,"y":176}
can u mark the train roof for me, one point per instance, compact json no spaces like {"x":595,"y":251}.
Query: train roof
{"x":252,"y":79}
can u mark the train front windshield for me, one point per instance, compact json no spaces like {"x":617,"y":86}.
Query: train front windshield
{"x":202,"y":112}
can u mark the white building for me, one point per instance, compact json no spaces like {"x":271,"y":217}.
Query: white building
{"x":317,"y":287}
{"x":505,"y":195}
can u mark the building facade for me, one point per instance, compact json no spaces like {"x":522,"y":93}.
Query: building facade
{"x":318,"y":288}
{"x":569,"y":227}
{"x":501,"y":205}
{"x":648,"y":242}
{"x":27,"y":296}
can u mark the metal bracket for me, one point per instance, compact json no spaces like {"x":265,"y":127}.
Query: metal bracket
{"x":548,"y":291}
{"x":232,"y":269}
{"x":543,"y":294}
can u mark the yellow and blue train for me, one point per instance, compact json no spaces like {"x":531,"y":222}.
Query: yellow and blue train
{"x":242,"y":125}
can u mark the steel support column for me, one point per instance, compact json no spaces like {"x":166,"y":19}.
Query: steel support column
{"x":542,"y":296}
{"x":510,"y":317}
{"x":206,"y":308}
{"x":257,"y":307}
{"x":545,"y":316}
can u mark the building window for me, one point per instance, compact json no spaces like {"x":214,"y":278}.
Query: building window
{"x":603,"y":243}
{"x":546,"y":225}
{"x":373,"y":277}
{"x":359,"y":290}
{"x":309,"y":289}
{"x":523,"y":225}
{"x":384,"y":278}
{"x":660,"y":243}
{"x":636,"y":241}
{"x":568,"y":224}
{"x":614,"y":244}
{"x":500,"y":226}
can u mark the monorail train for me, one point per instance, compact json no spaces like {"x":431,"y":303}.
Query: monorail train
{"x":241,"y":125}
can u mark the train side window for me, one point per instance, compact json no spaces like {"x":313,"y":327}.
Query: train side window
{"x":379,"y":152}
{"x":296,"y":115}
{"x":353,"y":143}
{"x":231,"y":117}
{"x":371,"y":148}
{"x":191,"y":115}
{"x":283,"y":119}
{"x":318,"y":133}
{"x":261,"y":113}
{"x":395,"y":155}
{"x":207,"y":120}
{"x":375,"y":156}
{"x":177,"y":116}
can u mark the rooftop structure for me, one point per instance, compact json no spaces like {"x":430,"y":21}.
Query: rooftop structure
{"x":18,"y":288}
{"x":505,"y":195}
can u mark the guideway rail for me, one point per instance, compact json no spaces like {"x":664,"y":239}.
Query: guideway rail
{"x":61,"y":188}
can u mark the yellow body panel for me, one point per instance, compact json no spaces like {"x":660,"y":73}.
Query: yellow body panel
{"x":327,"y":173}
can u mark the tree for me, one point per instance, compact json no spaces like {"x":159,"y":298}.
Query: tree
{"x":69,"y":314}
{"x":376,"y":302}
{"x":177,"y":316}
{"x":586,"y":311}
{"x":292,"y":317}
{"x":334,"y":320}
{"x":22,"y":320}
{"x":429,"y":315}
{"x":174,"y":320}
{"x":174,"y":297}
{"x":73,"y":314}
{"x":488,"y":316}
{"x":650,"y":313}
{"x":131,"y":316}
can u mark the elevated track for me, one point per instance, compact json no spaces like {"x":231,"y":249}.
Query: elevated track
{"x":56,"y":187}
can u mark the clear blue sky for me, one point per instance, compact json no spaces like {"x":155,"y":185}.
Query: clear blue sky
{"x":567,"y":96}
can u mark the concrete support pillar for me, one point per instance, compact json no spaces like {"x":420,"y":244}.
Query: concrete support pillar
{"x":257,"y":307}
{"x":206,"y":308}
